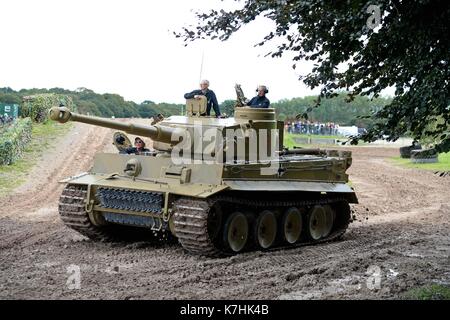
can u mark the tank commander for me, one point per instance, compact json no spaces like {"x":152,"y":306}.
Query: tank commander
{"x":260,"y":101}
{"x":210,"y":96}
{"x":139,"y":147}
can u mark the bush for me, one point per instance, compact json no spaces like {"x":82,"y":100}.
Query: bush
{"x":13,"y":141}
{"x":36,"y":106}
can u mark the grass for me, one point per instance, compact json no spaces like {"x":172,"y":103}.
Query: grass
{"x":43,"y":135}
{"x":442,"y":165}
{"x":429,"y":292}
{"x":289,"y":140}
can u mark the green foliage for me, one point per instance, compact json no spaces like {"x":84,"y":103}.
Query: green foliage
{"x":43,"y":137}
{"x":10,"y":98}
{"x":429,"y":292}
{"x":13,"y":141}
{"x":166,"y":109}
{"x":289,"y":141}
{"x":36,"y":106}
{"x":84,"y":101}
{"x":335,"y":109}
{"x":227,"y":107}
{"x":406,"y":47}
{"x":430,"y":139}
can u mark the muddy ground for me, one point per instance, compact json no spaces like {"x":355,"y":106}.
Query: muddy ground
{"x":400,"y":240}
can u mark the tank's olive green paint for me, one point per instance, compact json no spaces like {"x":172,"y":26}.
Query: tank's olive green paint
{"x":314,"y":174}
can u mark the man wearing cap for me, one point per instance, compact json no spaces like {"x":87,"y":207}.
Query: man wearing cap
{"x":210,"y":97}
{"x":260,"y":101}
{"x":139,"y":147}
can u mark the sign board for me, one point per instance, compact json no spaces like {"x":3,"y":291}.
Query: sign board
{"x":10,"y":110}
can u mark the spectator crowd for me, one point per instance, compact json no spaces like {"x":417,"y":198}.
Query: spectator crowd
{"x":310,"y":127}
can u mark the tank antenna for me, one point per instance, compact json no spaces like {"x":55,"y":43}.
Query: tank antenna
{"x":201,"y":66}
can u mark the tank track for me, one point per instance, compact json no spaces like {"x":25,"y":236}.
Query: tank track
{"x":191,"y":221}
{"x":73,"y":213}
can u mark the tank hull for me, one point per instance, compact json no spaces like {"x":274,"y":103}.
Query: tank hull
{"x":179,"y":200}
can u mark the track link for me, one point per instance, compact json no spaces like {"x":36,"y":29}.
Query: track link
{"x":191,"y":226}
{"x":73,"y":214}
{"x":191,"y":222}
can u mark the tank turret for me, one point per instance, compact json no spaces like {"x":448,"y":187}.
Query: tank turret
{"x":236,"y":139}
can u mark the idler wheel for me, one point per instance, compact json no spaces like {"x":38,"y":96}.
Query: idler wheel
{"x":291,"y":225}
{"x":236,"y":231}
{"x":266,"y":229}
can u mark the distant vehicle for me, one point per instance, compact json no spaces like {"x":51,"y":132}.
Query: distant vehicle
{"x":348,"y":131}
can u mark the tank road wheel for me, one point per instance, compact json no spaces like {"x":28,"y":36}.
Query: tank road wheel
{"x":329,"y":220}
{"x":236,"y":231}
{"x":266,"y":229}
{"x":316,"y":225}
{"x":291,"y":225}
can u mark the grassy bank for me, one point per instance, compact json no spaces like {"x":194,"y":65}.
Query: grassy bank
{"x":43,"y":135}
{"x":442,"y":165}
{"x":429,"y":292}
{"x":289,"y":140}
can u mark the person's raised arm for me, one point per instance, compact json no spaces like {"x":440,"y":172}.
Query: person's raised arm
{"x":191,"y":95}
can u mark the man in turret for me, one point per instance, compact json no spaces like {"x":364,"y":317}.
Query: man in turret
{"x":210,"y":96}
{"x":260,"y":101}
{"x":139,"y":147}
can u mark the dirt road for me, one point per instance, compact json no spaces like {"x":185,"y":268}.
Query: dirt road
{"x":399,"y":241}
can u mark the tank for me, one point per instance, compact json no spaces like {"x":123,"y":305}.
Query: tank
{"x":220,"y":186}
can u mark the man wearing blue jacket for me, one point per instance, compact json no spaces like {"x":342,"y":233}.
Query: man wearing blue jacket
{"x":210,"y":97}
{"x":260,"y":101}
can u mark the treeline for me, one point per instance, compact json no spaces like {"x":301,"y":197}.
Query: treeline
{"x":104,"y":105}
{"x":335,"y":110}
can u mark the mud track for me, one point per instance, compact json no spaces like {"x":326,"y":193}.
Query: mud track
{"x":401,"y":232}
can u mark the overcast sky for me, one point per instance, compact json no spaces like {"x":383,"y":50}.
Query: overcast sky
{"x":127,"y":47}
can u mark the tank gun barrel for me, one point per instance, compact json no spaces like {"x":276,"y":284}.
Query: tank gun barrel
{"x":156,"y":133}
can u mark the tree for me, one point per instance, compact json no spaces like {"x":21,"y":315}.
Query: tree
{"x":361,"y":48}
{"x":227,"y":107}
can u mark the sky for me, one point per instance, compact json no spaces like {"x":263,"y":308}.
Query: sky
{"x":128,"y":48}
